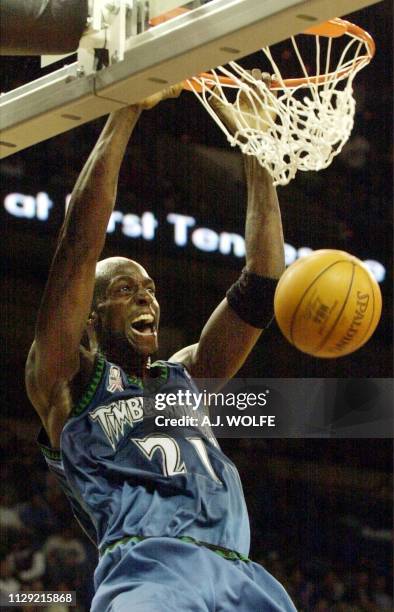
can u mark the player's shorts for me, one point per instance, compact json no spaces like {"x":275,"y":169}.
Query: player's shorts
{"x":171,"y":575}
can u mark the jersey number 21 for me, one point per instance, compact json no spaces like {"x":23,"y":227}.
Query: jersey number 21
{"x":171,"y":455}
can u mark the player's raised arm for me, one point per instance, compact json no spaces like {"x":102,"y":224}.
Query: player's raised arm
{"x":64,"y":309}
{"x":236,"y":324}
{"x":54,"y":358}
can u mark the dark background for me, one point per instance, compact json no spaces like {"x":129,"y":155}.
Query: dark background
{"x":308,"y":512}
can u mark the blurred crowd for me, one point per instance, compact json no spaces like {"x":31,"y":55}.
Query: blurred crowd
{"x":330,"y":549}
{"x":42,"y":548}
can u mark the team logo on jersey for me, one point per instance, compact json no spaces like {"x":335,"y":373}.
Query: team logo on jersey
{"x":114,"y":380}
{"x":114,"y":418}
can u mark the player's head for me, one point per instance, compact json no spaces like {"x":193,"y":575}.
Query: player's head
{"x":124,"y":306}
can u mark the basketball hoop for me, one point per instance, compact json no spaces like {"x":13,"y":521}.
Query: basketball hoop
{"x":295,"y":123}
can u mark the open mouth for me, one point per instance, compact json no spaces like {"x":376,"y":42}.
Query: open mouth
{"x":144,"y":325}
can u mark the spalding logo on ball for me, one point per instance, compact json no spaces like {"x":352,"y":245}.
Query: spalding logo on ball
{"x":328,"y":304}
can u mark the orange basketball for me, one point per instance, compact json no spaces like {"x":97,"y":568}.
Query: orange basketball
{"x":328,"y":304}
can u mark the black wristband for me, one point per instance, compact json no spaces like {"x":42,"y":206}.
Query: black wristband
{"x":252,"y":298}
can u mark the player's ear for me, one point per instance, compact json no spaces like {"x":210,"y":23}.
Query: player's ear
{"x":90,"y":335}
{"x":92,"y":321}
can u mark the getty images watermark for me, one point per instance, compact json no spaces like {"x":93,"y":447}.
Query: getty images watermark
{"x":285,"y":408}
{"x":212,"y":409}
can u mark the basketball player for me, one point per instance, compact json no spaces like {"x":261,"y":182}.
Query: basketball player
{"x":165,"y":509}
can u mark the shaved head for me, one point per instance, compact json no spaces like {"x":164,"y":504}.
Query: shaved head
{"x":106,"y":269}
{"x":125,"y":308}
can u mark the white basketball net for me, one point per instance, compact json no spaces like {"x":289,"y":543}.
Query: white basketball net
{"x":290,"y":126}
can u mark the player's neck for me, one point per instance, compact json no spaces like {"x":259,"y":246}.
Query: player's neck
{"x":124,"y":356}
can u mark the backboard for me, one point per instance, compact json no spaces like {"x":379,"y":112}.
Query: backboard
{"x":142,"y":58}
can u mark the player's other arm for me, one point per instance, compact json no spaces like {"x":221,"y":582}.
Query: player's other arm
{"x":63,"y":313}
{"x":227,"y":337}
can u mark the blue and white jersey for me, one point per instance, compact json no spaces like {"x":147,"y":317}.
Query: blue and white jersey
{"x":125,"y":475}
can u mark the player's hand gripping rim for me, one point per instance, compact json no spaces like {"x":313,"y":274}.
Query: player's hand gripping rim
{"x":169,"y":92}
{"x":257,"y":113}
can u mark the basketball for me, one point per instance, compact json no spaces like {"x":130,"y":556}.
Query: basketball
{"x":327,"y":304}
